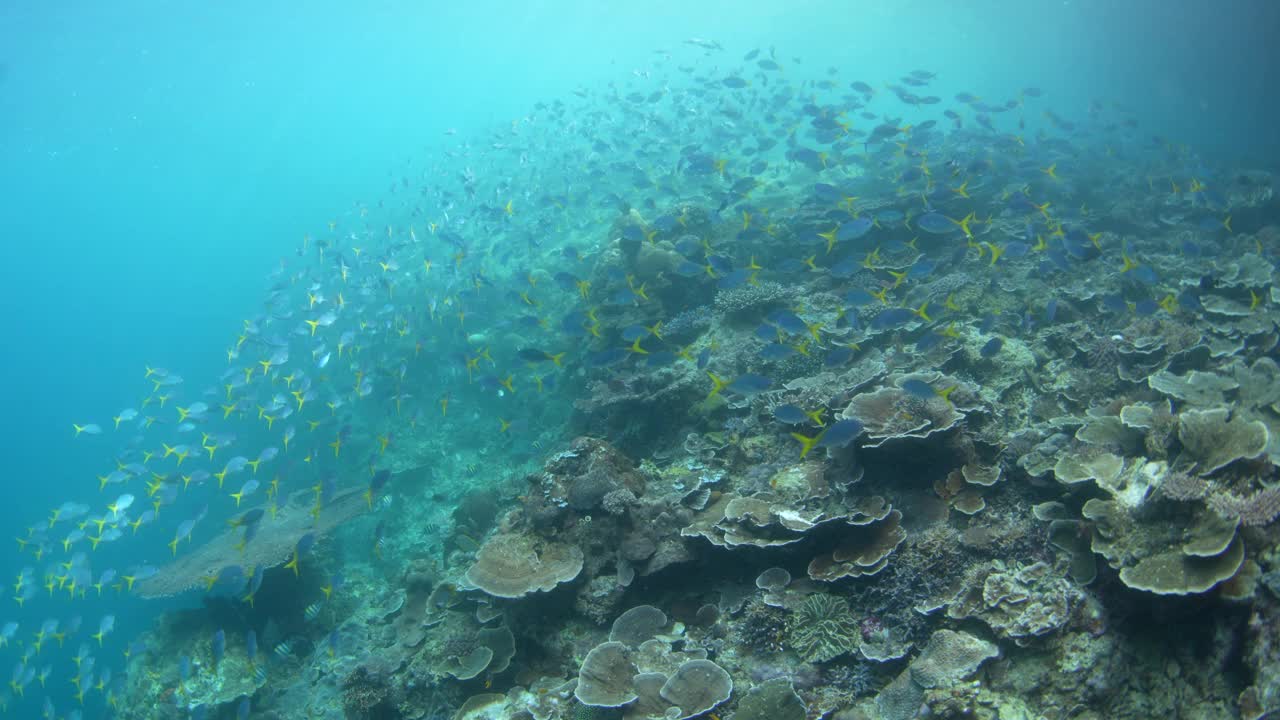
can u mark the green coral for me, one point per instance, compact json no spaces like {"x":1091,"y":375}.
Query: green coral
{"x":587,"y":712}
{"x":823,"y":628}
{"x":772,"y":700}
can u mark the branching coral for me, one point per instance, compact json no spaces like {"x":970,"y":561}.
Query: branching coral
{"x":1256,"y":509}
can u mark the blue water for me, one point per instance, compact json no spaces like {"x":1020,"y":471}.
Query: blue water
{"x":158,"y":159}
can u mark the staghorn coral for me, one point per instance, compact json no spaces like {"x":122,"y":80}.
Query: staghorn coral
{"x":1103,"y":354}
{"x":616,"y":502}
{"x":1255,"y":510}
{"x":1184,"y":486}
{"x":367,"y":696}
{"x":761,"y":629}
{"x":688,"y":324}
{"x":748,"y":301}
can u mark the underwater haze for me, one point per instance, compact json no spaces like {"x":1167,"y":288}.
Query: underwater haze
{"x":558,"y":360}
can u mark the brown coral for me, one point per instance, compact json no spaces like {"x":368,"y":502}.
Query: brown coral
{"x":512,"y":565}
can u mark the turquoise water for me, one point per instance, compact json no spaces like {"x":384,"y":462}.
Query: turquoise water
{"x":159,"y":161}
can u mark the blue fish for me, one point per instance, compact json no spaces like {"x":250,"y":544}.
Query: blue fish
{"x":688,"y":245}
{"x":859,"y":297}
{"x":625,"y":296}
{"x":992,"y":348}
{"x":1016,"y":249}
{"x":789,"y":414}
{"x":704,"y":358}
{"x":891,"y":317}
{"x":918,"y":388}
{"x":840,"y":434}
{"x":853,"y":229}
{"x":1144,"y":274}
{"x":837,"y":356}
{"x":788,"y":321}
{"x":767,"y":333}
{"x":1146,"y":307}
{"x":1211,"y":223}
{"x":812,"y":159}
{"x":660,"y":358}
{"x":666,"y":223}
{"x":631,"y":333}
{"x":1078,"y":245}
{"x":921,"y":269}
{"x":1058,"y":258}
{"x":1051,"y":310}
{"x":304,"y":545}
{"x":231,"y":579}
{"x":936,"y":223}
{"x":827,"y":193}
{"x":575,"y":324}
{"x":219,"y":646}
{"x":845,"y":268}
{"x":750,"y":384}
{"x":607,"y":358}
{"x":566,"y":281}
{"x":1187,"y":300}
{"x":929,"y":341}
{"x":1114,"y":303}
{"x":776,"y":352}
{"x":792,"y":266}
{"x":721,"y":264}
{"x":733,"y":279}
{"x":689,"y":269}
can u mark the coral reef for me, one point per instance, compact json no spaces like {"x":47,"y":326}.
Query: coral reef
{"x":786,"y":498}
